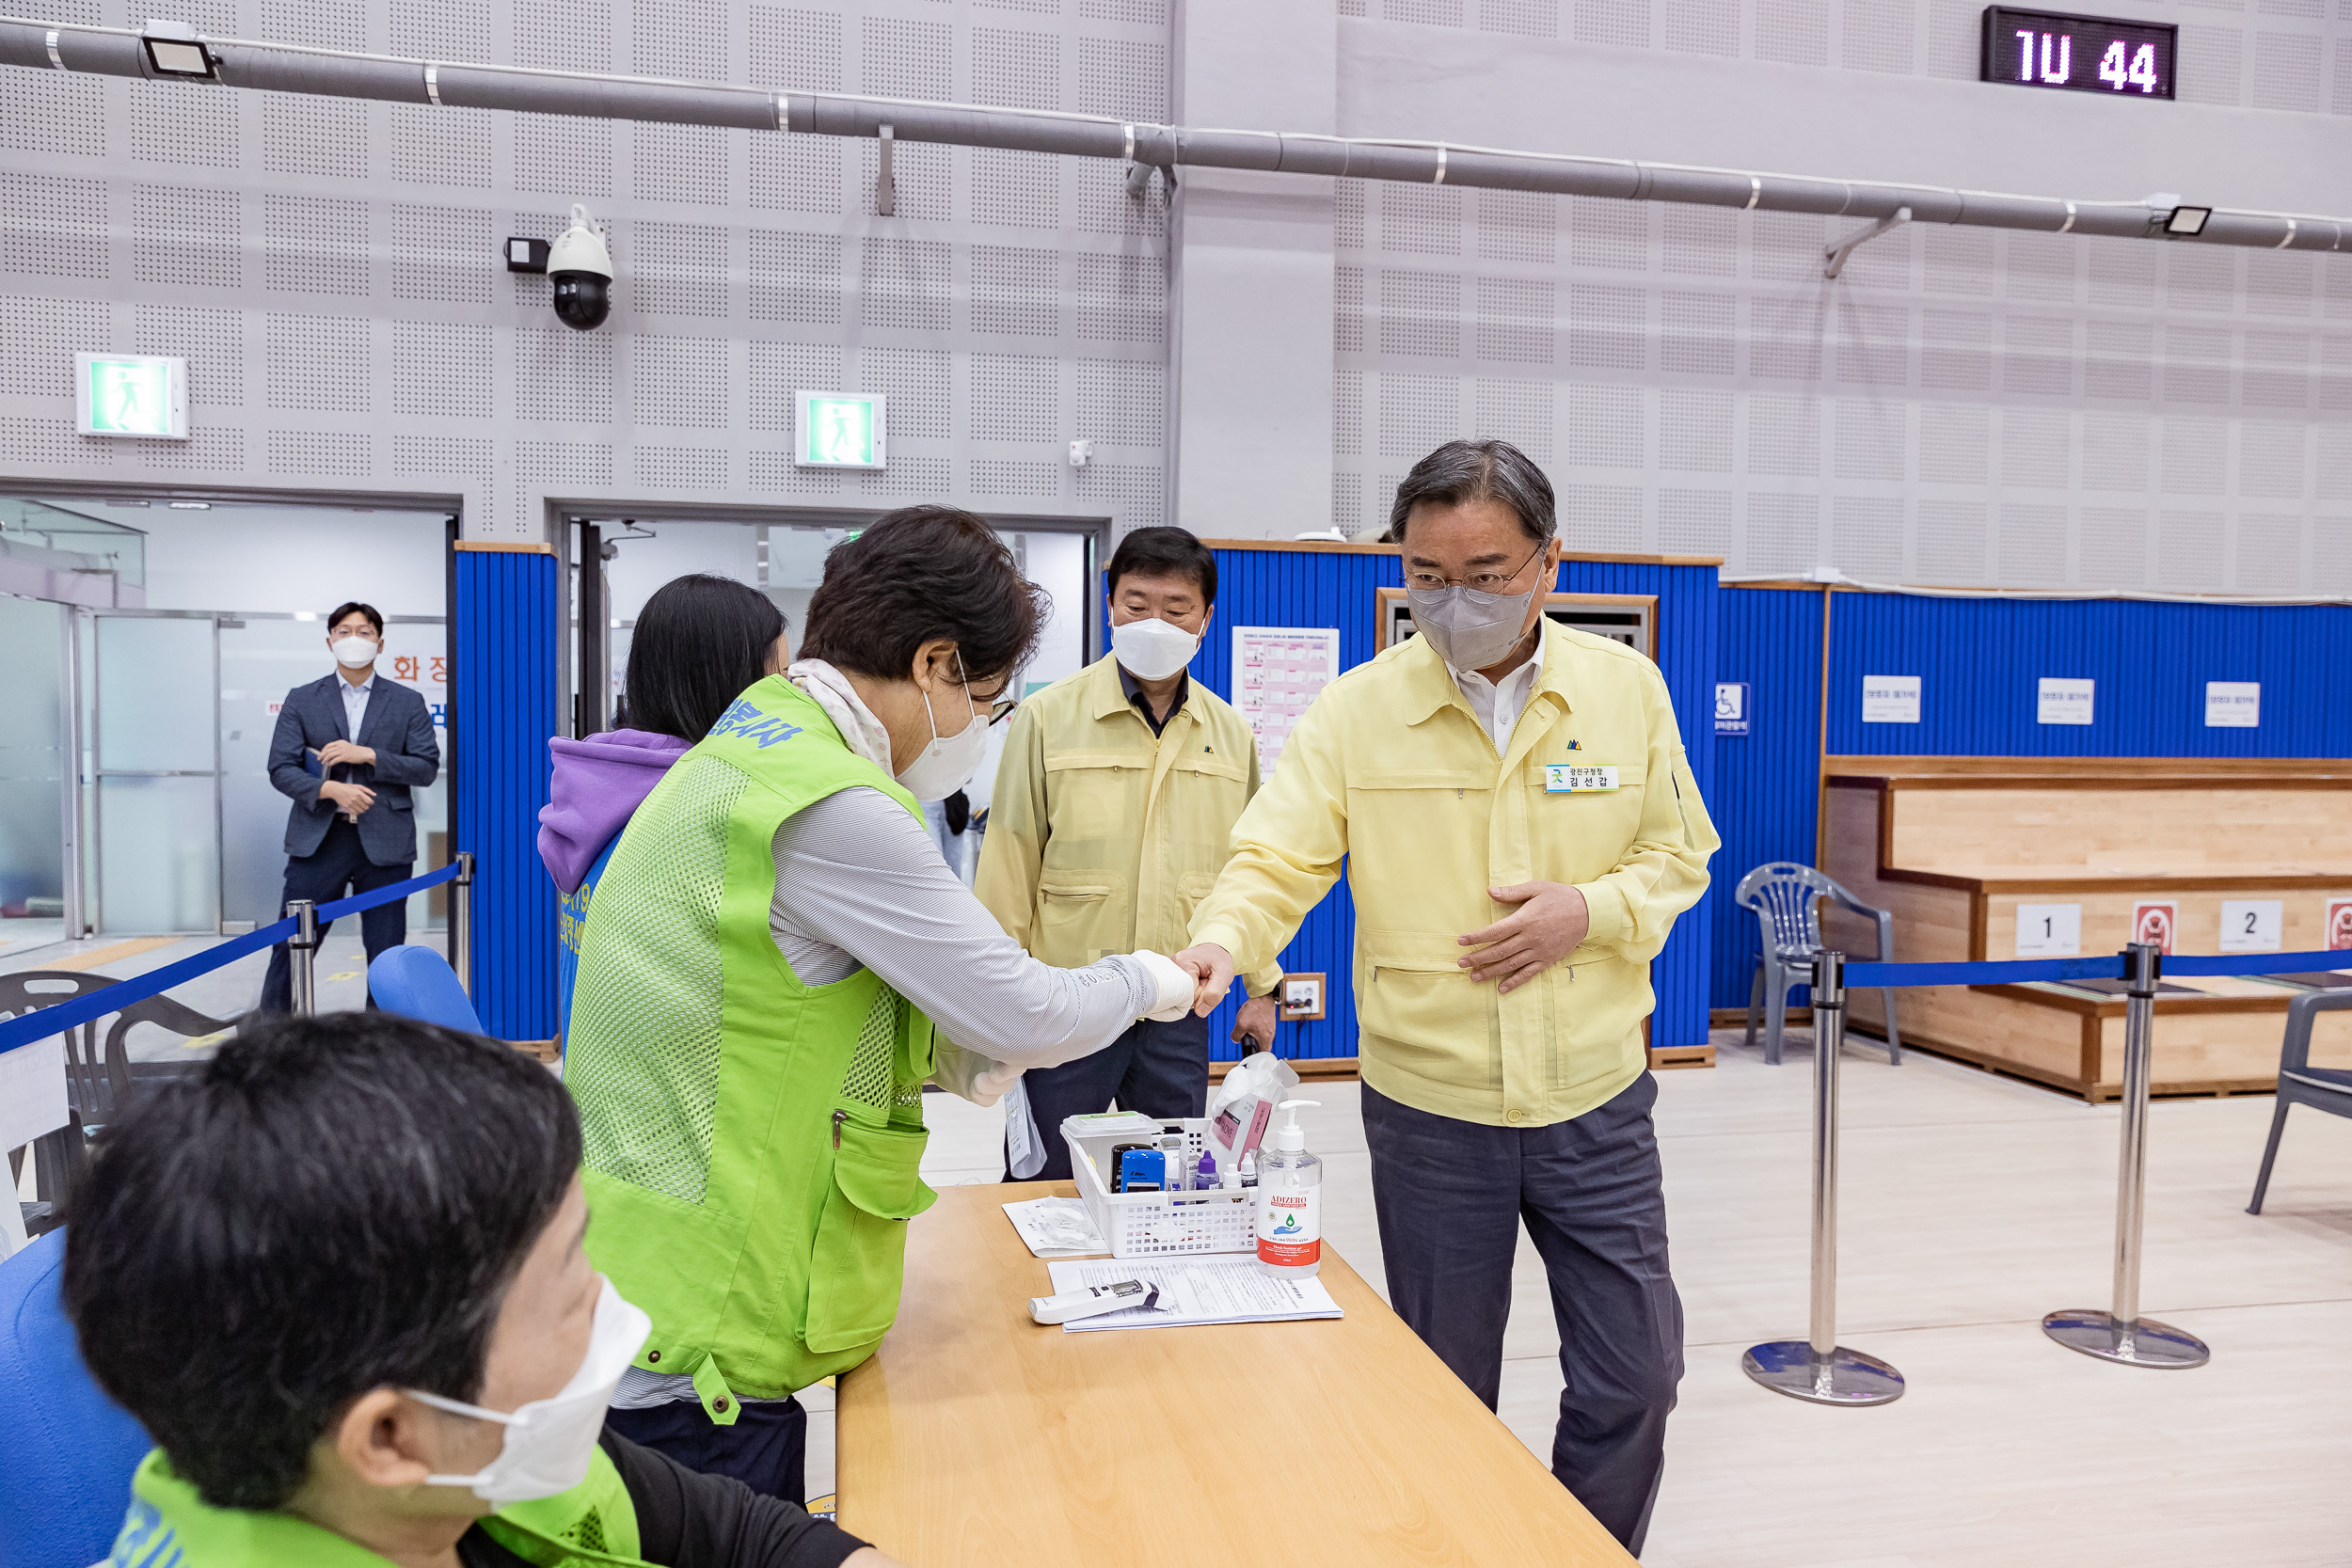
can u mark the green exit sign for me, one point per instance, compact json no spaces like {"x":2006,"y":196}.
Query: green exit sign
{"x":840,"y":430}
{"x":123,"y":394}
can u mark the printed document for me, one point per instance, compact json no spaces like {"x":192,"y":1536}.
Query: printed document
{"x":1212,"y":1288}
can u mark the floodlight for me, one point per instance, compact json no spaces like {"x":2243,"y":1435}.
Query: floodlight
{"x":173,"y":48}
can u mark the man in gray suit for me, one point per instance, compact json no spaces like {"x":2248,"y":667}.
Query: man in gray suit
{"x":348,"y":749}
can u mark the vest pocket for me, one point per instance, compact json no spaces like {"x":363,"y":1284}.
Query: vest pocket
{"x":859,"y":1257}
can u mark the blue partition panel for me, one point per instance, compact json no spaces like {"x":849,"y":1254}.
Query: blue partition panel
{"x":1764,"y":794}
{"x":1308,"y":587}
{"x":1979,"y":662}
{"x":503,"y":638}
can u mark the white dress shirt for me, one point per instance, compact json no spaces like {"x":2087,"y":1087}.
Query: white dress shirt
{"x":1499,"y":703}
{"x":356,"y":704}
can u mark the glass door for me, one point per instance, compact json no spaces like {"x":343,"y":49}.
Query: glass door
{"x":34,"y":813}
{"x":155,"y":764}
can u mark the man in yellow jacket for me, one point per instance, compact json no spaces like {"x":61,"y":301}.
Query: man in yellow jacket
{"x":1519,"y":828}
{"x":1112,"y":811}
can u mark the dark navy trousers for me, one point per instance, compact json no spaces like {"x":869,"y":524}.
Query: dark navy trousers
{"x":338,"y":867}
{"x":767,"y":1448}
{"x":1451,"y":1196}
{"x":1161,"y":1070}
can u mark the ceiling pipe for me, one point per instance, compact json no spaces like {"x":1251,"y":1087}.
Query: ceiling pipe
{"x":342,"y":73}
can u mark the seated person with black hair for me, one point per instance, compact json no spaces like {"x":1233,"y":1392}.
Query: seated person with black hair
{"x":339,"y":1276}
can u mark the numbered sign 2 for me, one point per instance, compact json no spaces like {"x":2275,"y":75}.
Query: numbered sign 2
{"x":2251,"y":925}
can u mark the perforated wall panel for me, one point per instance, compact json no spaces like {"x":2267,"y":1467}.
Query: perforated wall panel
{"x":332,"y":271}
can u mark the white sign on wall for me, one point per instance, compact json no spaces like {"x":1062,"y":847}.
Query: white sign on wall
{"x":2234,"y":704}
{"x":1278,"y":671}
{"x":2049,"y":930}
{"x":2251,"y":925}
{"x":1890,"y":699}
{"x":2060,"y":701}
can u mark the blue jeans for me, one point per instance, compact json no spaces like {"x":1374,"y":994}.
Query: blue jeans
{"x":767,"y":1448}
{"x":1451,"y":1195}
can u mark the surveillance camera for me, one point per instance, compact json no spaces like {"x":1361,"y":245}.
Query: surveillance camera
{"x":581,"y":270}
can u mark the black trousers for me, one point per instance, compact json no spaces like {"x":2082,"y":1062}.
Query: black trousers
{"x":1161,"y":1070}
{"x":767,"y":1448}
{"x":339,"y":863}
{"x":1451,"y":1195}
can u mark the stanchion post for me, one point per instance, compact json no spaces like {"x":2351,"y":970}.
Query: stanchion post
{"x":461,"y":922}
{"x":2120,"y":1334}
{"x":302,"y":949}
{"x":1817,"y":1369}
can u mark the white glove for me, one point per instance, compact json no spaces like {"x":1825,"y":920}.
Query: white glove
{"x":998,"y":1080}
{"x":1177,"y":987}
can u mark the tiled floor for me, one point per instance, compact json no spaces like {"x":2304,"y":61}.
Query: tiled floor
{"x":1971,"y":1206}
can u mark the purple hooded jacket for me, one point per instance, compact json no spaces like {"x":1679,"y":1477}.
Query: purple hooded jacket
{"x":598,"y":782}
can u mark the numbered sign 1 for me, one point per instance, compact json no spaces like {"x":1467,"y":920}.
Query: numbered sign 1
{"x":2049,"y":930}
{"x":2251,"y":925}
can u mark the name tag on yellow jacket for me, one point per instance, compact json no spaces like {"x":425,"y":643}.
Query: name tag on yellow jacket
{"x":1569,"y":778}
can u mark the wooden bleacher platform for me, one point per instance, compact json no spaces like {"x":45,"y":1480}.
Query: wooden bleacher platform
{"x":1953,"y":846}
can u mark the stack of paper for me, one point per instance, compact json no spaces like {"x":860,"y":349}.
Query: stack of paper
{"x":1056,"y":1227}
{"x":1211,"y":1288}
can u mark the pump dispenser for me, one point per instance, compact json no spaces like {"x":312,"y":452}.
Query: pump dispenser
{"x":1290,"y":1201}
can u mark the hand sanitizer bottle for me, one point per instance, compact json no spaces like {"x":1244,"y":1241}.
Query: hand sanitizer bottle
{"x":1289,"y":1202}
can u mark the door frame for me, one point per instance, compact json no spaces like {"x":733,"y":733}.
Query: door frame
{"x":572,"y":522}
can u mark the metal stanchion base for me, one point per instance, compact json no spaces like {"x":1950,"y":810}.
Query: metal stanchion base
{"x":2144,"y":1343}
{"x":1844,"y":1377}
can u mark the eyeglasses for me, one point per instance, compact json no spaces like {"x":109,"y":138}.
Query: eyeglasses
{"x":1483,"y":583}
{"x":1001,"y":710}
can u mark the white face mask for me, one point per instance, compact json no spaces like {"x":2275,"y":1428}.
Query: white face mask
{"x":1152,"y":649}
{"x":948,"y":763}
{"x":355,"y":652}
{"x":549,"y":1442}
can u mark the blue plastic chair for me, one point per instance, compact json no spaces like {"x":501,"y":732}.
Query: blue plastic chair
{"x":417,"y":982}
{"x":1787,"y":897}
{"x":66,"y":1449}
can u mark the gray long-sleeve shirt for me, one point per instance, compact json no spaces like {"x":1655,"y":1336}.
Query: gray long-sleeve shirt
{"x":860,"y":884}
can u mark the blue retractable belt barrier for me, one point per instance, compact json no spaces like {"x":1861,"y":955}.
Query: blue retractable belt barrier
{"x":45,"y":1021}
{"x":2108,"y":967}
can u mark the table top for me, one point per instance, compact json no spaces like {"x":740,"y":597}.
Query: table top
{"x":976,"y":1437}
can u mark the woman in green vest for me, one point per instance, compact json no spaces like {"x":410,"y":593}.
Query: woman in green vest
{"x":339,"y":1277}
{"x":776,"y":961}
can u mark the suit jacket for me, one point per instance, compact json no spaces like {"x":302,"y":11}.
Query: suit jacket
{"x":397,"y":724}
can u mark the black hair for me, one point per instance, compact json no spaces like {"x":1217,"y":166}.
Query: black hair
{"x":1164,"y":552}
{"x":347,"y":607}
{"x":919,"y":574}
{"x":699,"y":641}
{"x":335,"y":1204}
{"x":1461,"y":471}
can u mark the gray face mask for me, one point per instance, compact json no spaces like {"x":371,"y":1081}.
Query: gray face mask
{"x":1470,"y":630}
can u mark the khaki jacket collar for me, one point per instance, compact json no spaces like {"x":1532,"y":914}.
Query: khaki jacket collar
{"x":1430,"y":685}
{"x":1106,"y":695}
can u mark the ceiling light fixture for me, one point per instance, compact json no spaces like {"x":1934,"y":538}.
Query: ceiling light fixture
{"x":174,"y":49}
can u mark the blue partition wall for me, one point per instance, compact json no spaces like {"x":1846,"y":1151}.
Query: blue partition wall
{"x":1979,"y":663}
{"x":504,"y":637}
{"x":1332,"y":586}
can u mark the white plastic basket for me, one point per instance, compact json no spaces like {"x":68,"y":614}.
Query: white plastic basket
{"x":1149,"y":1225}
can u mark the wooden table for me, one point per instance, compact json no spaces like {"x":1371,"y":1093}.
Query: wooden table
{"x":976,"y":1437}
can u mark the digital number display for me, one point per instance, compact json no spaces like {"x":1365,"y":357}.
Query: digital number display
{"x":2078,"y":53}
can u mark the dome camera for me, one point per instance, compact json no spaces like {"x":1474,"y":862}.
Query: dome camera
{"x":581,"y":270}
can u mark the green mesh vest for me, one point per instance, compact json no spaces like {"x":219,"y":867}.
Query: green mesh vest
{"x":591,"y":1526}
{"x":751,"y":1142}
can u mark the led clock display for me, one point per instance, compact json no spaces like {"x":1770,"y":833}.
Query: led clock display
{"x":2078,"y":53}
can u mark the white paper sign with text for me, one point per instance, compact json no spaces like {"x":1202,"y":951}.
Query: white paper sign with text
{"x":2061,"y":700}
{"x":1890,"y":699}
{"x":2049,"y":930}
{"x":2234,"y":704}
{"x":2251,"y":925}
{"x":1278,"y":672}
